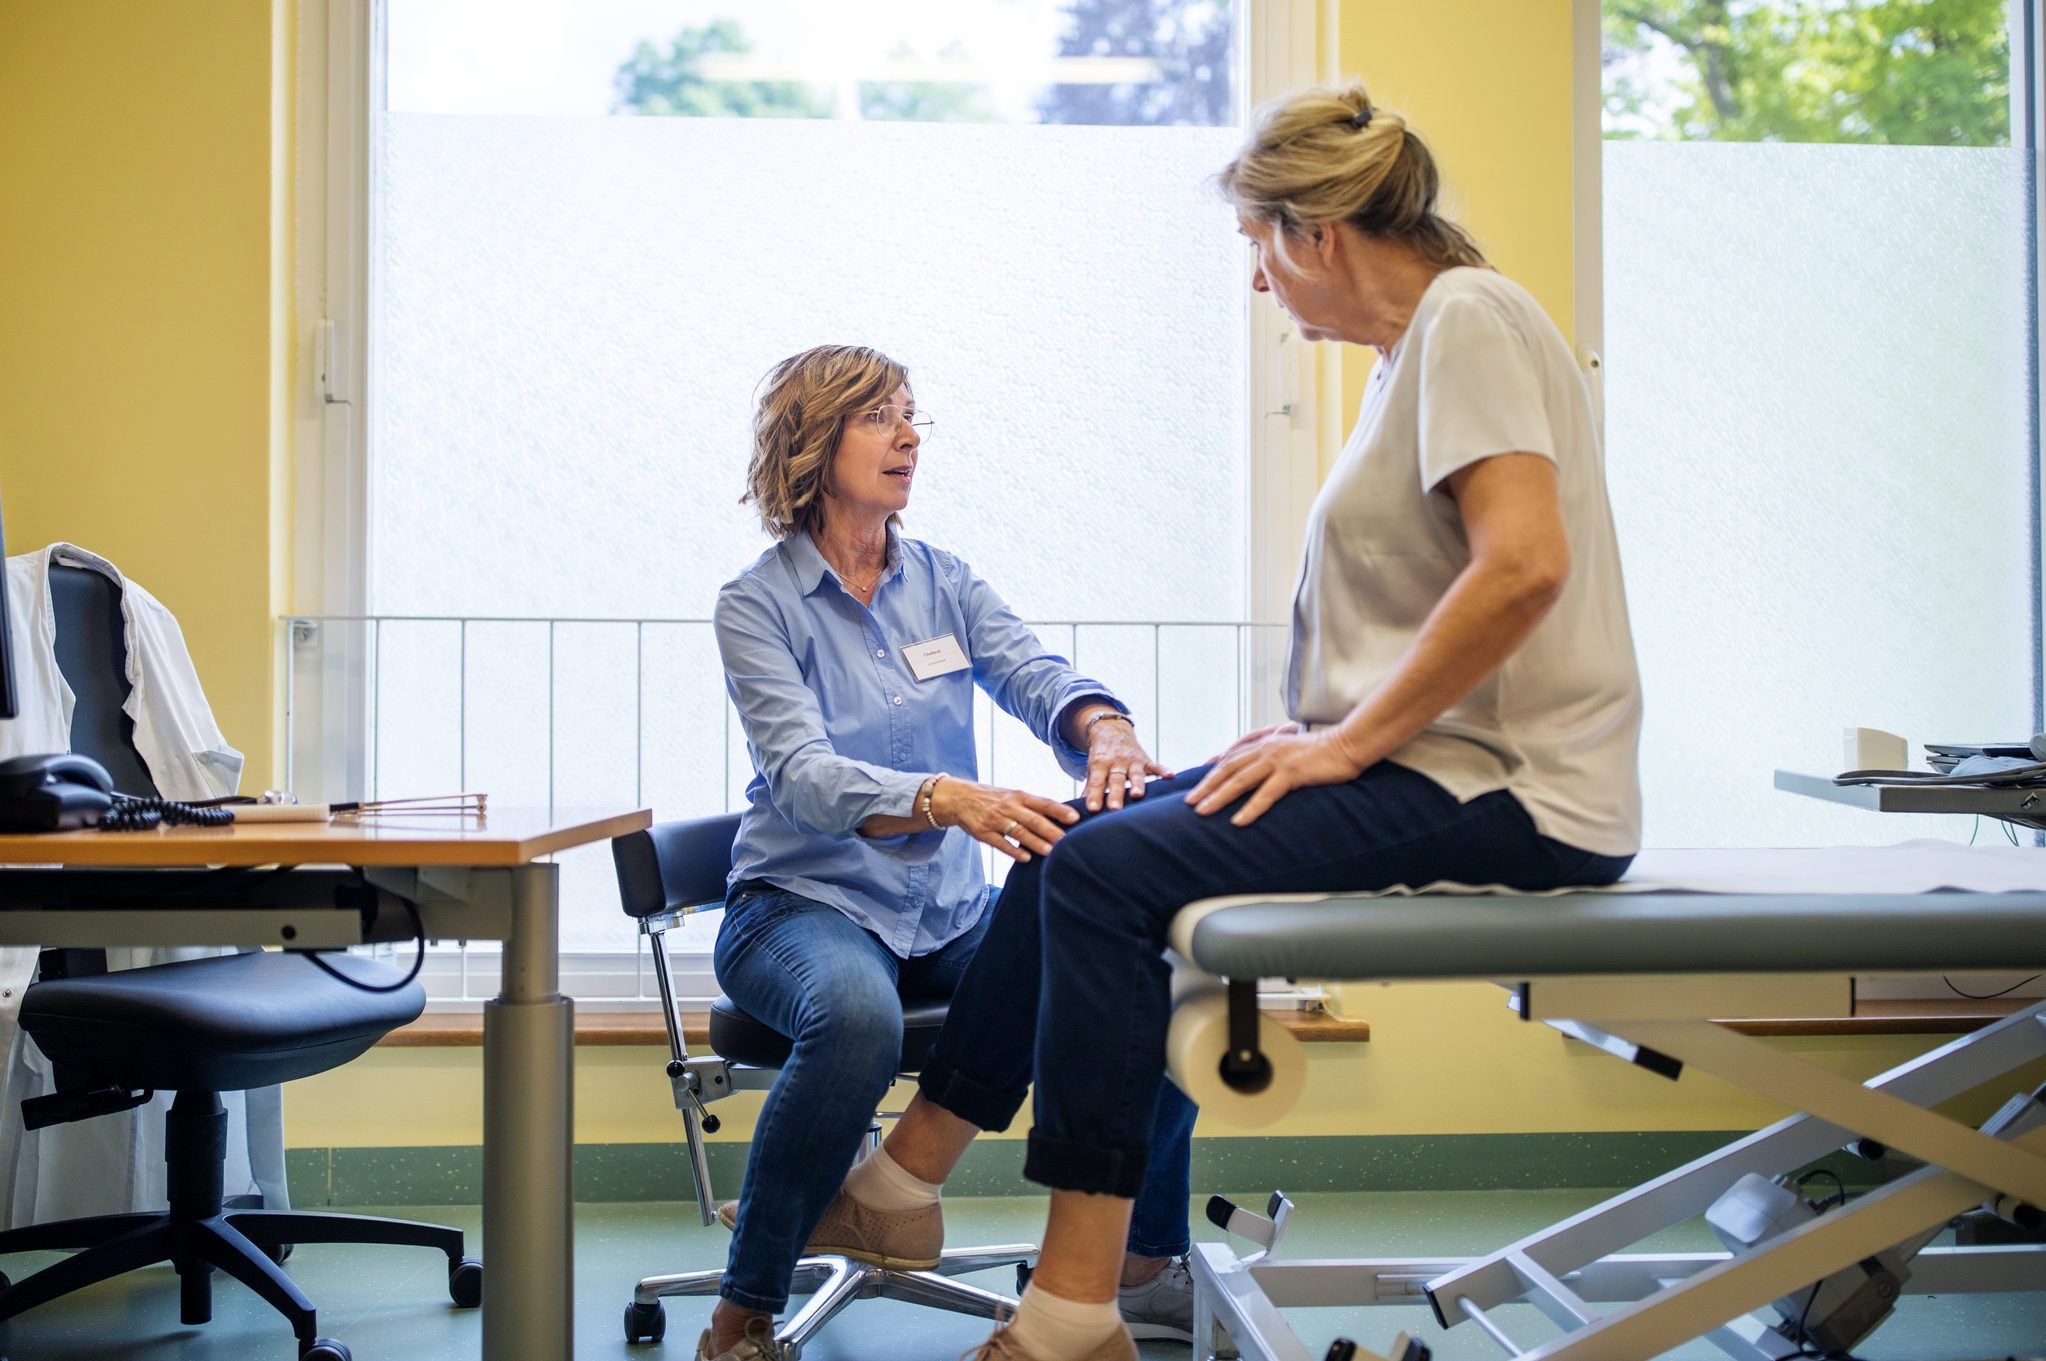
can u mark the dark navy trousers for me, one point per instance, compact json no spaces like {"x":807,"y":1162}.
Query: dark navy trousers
{"x":1070,"y":984}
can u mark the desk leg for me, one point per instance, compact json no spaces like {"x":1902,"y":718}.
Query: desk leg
{"x":528,"y":1122}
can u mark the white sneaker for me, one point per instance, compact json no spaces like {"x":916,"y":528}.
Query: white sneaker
{"x":1161,"y":1307}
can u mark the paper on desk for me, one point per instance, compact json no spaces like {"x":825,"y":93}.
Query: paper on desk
{"x":279,"y":812}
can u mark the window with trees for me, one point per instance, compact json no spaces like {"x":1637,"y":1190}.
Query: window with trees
{"x":593,"y":228}
{"x":1819,"y":331}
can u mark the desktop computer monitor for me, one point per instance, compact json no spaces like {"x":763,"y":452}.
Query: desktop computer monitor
{"x":8,"y":702}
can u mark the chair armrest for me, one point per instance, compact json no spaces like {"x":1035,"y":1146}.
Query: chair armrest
{"x":674,"y":866}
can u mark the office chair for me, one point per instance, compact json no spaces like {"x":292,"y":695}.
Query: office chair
{"x":198,"y":1028}
{"x":664,"y":873}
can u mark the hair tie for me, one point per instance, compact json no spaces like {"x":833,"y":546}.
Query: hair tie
{"x":1362,"y":119}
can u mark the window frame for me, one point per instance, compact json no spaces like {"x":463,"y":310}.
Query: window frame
{"x":1293,"y":411}
{"x":2027,"y":28}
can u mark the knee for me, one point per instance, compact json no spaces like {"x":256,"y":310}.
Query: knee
{"x":857,"y":1029}
{"x":1095,"y":872}
{"x":1086,"y":848}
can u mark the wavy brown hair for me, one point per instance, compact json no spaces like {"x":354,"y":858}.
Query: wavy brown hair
{"x":1331,"y":155}
{"x":801,"y":409}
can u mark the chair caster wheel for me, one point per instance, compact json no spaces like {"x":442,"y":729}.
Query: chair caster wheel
{"x":5,"y":1285}
{"x":465,"y":1283}
{"x":325,"y":1349}
{"x":279,"y":1253}
{"x":1022,"y":1278}
{"x":645,"y":1322}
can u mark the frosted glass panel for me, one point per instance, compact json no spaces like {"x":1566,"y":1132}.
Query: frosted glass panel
{"x":574,"y":313}
{"x":572,"y":316}
{"x":1818,"y":434}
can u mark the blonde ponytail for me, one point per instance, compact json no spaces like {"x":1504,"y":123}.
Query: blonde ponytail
{"x":1330,"y":155}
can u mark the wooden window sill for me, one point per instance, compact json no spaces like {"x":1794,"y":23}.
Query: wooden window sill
{"x":437,"y":1030}
{"x":1945,"y":1016}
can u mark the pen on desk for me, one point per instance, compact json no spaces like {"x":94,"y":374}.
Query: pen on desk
{"x":437,"y":803}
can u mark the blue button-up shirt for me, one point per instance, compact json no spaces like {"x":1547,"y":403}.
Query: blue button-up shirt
{"x":840,"y":730}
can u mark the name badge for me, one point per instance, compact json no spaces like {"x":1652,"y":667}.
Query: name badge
{"x":938,"y":657}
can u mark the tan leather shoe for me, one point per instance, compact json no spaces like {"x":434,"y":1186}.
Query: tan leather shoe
{"x":1119,"y":1346}
{"x":832,"y":1235}
{"x":757,"y":1345}
{"x":908,"y":1240}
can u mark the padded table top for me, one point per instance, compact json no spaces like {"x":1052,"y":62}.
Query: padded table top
{"x":1505,"y":936}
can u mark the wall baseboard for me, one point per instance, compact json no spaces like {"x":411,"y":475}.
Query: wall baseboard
{"x":1245,"y":1166}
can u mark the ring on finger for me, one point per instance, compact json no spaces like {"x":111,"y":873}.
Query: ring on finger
{"x":1013,"y":825}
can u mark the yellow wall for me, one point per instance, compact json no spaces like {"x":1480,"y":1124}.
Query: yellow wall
{"x":1443,"y":1059}
{"x":144,"y":267}
{"x":144,"y":361}
{"x":1486,"y":83}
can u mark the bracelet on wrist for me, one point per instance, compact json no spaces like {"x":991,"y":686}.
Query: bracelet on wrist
{"x":923,"y":800}
{"x":1087,"y":729}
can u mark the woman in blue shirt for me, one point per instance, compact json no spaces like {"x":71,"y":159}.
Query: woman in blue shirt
{"x":851,"y":653}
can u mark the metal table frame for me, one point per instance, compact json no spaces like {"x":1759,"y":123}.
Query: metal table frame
{"x":1662,"y":1023}
{"x":528,"y":1029}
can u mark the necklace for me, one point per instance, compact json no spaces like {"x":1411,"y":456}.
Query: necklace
{"x":847,"y":580}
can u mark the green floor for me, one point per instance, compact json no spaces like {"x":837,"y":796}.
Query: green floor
{"x":391,"y":1304}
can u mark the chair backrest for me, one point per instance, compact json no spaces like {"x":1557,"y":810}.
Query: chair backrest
{"x":674,"y":865}
{"x":92,"y":653}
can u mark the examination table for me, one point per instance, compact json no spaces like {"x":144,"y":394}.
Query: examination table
{"x":1645,"y":976}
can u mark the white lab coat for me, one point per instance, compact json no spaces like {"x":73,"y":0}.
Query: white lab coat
{"x":113,"y":1164}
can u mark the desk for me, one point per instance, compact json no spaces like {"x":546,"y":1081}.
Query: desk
{"x":2025,"y":807}
{"x":475,"y":879}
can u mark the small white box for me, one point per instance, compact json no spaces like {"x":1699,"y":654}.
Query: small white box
{"x":1874,"y":749}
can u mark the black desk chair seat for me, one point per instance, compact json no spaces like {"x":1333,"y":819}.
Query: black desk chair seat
{"x":199,"y":1028}
{"x":225,"y":1024}
{"x":665,"y":873}
{"x":739,"y":1038}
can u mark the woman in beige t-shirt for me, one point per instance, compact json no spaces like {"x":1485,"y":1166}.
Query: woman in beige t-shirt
{"x":1461,"y":680}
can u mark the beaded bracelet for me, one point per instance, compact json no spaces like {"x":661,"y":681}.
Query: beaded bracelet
{"x":923,"y":799}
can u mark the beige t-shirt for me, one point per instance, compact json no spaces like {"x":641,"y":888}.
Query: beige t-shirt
{"x":1481,"y":371}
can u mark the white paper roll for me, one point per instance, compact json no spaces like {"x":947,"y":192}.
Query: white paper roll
{"x":1195,"y":1044}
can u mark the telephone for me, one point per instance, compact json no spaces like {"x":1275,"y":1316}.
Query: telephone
{"x":53,"y":793}
{"x":63,"y":793}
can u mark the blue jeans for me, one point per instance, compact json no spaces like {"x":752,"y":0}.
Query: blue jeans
{"x":806,"y":969}
{"x":1106,"y":897}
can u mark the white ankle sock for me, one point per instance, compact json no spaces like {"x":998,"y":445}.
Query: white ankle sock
{"x":878,"y":1182}
{"x":1052,"y":1328}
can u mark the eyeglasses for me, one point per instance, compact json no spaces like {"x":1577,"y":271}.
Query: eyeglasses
{"x":887,"y":416}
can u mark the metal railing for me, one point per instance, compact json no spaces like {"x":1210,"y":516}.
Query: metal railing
{"x":366,"y":692}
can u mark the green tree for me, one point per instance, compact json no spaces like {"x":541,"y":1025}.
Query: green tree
{"x":1190,"y":40}
{"x":672,"y":82}
{"x":924,"y":101}
{"x":1920,"y":72}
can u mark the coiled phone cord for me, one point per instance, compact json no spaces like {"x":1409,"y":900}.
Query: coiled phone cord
{"x":131,"y":814}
